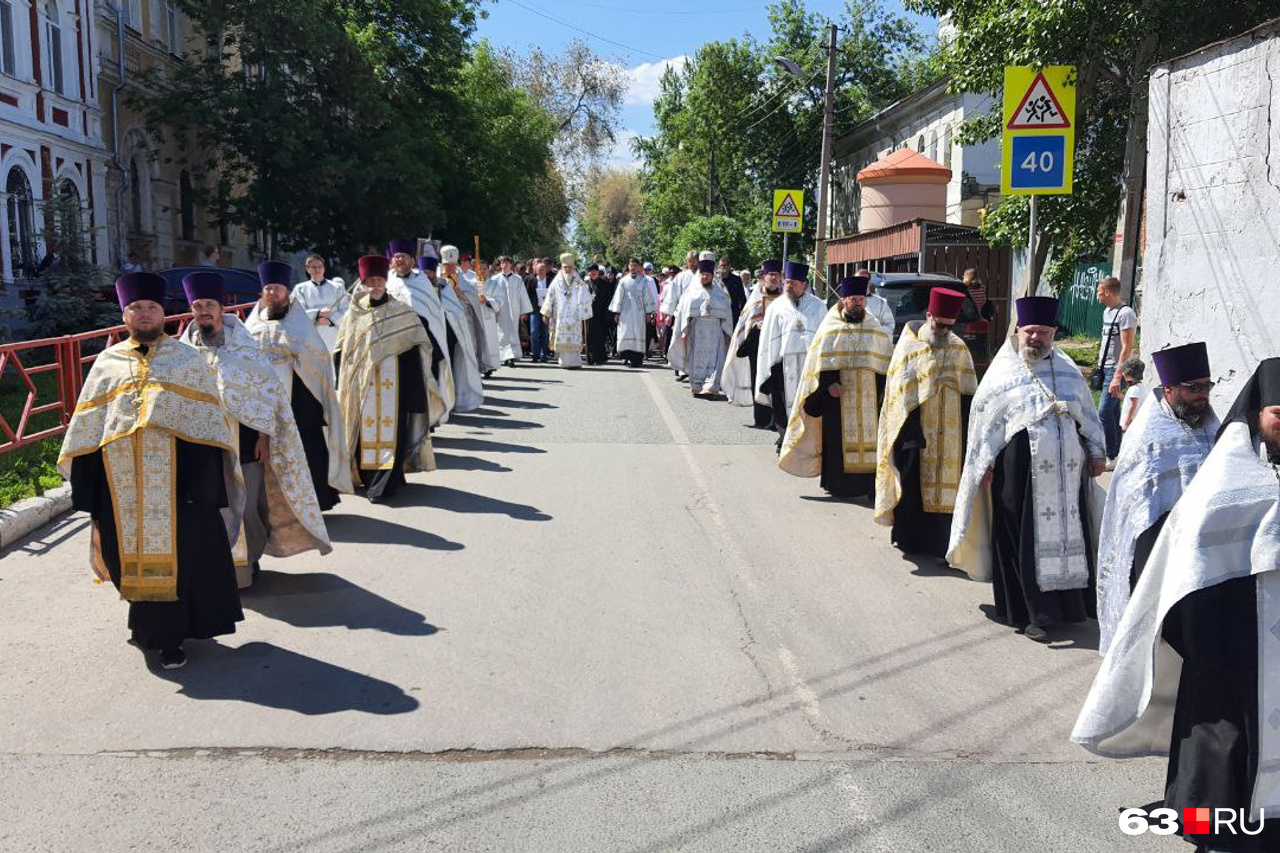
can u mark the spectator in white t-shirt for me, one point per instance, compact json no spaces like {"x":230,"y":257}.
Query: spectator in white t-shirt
{"x":1119,"y":329}
{"x":1131,"y":373}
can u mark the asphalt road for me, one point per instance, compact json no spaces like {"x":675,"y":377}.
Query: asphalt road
{"x":607,"y":623}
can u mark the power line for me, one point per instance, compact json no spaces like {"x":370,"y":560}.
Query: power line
{"x":555,"y":20}
{"x":782,"y":104}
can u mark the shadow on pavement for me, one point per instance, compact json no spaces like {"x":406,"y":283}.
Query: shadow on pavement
{"x":360,"y":528}
{"x":517,"y":404}
{"x":531,"y":379}
{"x":491,"y":423}
{"x":45,"y":539}
{"x":447,"y":462}
{"x":929,"y":566}
{"x":480,"y":445}
{"x":456,"y":500}
{"x":523,"y":389}
{"x":267,"y":675}
{"x":322,"y":600}
{"x":485,"y":411}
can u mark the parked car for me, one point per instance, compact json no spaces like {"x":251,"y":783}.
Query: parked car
{"x":908,"y":295}
{"x":242,"y":286}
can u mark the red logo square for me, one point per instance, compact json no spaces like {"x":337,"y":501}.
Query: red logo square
{"x":1197,"y":821}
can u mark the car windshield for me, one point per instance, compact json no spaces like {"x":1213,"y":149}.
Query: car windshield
{"x":909,"y":301}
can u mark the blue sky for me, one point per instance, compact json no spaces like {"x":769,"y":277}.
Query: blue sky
{"x":642,"y":36}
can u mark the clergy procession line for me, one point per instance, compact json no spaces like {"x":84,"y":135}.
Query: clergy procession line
{"x":196,"y":455}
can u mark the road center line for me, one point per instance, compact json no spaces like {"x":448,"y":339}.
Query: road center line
{"x":737,"y":565}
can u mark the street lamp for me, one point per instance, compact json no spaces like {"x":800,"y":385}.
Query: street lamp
{"x":828,"y":131}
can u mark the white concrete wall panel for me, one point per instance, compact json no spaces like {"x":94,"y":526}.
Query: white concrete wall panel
{"x":1213,"y":194}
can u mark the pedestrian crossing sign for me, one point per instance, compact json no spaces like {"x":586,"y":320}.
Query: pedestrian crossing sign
{"x":1039,"y":130}
{"x":788,"y":211}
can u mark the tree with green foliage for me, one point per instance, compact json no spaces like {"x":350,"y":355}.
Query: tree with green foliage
{"x":732,"y":126}
{"x":503,"y":184}
{"x":332,"y":124}
{"x":611,"y":220}
{"x":582,"y":93}
{"x":720,"y":234}
{"x":70,"y":298}
{"x":1114,"y":44}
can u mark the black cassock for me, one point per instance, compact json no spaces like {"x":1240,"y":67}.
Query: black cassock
{"x":411,"y":398}
{"x":750,"y":349}
{"x":309,"y":415}
{"x":1213,"y":752}
{"x":737,"y":294}
{"x":1019,"y":600}
{"x":1142,"y":548}
{"x":820,"y":404}
{"x":208,"y":602}
{"x":600,"y":323}
{"x":914,"y":530}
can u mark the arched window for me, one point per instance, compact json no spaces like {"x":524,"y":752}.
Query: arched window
{"x":946,"y":147}
{"x":920,"y":144}
{"x":186,"y":198}
{"x":53,"y":46}
{"x":69,"y":230}
{"x":20,"y":207}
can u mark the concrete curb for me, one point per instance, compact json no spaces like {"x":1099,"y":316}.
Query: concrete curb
{"x":27,"y":515}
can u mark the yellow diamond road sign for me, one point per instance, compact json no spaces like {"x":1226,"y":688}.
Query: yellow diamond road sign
{"x":1039,"y":130}
{"x":788,"y":211}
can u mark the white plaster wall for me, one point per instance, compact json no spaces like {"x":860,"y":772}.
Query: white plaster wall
{"x":1212,"y":262}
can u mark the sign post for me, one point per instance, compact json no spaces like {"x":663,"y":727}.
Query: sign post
{"x":1039,"y":139}
{"x":788,"y":215}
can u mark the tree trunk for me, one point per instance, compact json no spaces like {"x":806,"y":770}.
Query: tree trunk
{"x":1134,"y":183}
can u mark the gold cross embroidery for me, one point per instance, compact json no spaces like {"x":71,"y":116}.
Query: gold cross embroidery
{"x":387,"y":384}
{"x":368,"y":422}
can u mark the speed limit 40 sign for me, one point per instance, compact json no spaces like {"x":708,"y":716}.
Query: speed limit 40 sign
{"x":1039,"y":130}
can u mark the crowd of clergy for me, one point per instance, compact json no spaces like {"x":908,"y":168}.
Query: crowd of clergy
{"x":245,"y":432}
{"x":1179,"y":560}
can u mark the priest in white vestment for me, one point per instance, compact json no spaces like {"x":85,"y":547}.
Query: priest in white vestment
{"x":786,"y":332}
{"x":482,"y":317}
{"x":568,"y":305}
{"x":303,"y":361}
{"x":281,"y":514}
{"x":703,"y":324}
{"x":1027,"y":512}
{"x":670,"y":300}
{"x":412,"y":287}
{"x":507,"y":291}
{"x":1193,"y":671}
{"x":634,"y":301}
{"x":467,"y":383}
{"x":323,"y":300}
{"x":740,"y":368}
{"x":1164,"y":447}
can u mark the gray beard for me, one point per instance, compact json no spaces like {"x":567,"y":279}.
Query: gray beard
{"x":938,"y":340}
{"x":1033,"y":354}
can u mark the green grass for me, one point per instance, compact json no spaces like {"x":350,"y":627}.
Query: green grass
{"x":30,"y":470}
{"x":1082,"y":350}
